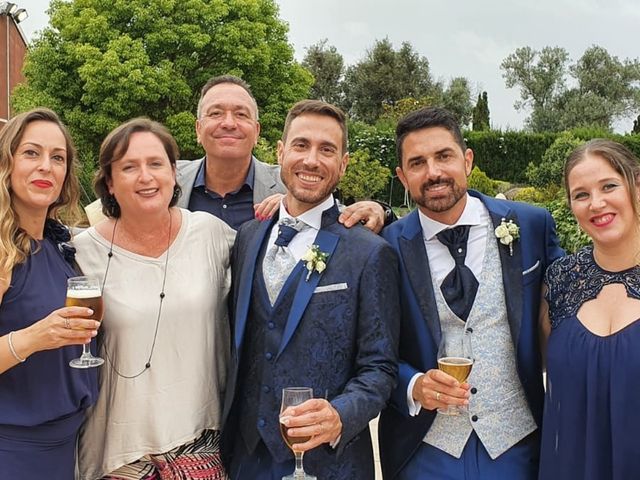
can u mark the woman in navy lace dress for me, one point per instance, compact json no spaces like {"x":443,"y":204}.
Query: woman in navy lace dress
{"x":42,"y":399}
{"x":592,"y":419}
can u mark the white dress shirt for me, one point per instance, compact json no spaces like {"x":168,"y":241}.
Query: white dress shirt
{"x":303,"y":240}
{"x":441,"y":262}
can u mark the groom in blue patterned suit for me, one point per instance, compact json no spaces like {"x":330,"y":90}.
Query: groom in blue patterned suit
{"x":471,"y":268}
{"x":299,"y":324}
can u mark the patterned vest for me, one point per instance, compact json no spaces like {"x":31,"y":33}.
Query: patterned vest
{"x":264,"y":329}
{"x":498,"y":410}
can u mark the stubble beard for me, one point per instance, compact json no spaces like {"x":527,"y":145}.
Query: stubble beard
{"x":443,"y":203}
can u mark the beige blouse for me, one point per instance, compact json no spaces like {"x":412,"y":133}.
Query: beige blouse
{"x":181,"y":394}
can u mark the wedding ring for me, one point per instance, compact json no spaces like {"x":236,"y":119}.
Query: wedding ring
{"x":437,"y":396}
{"x":66,"y":323}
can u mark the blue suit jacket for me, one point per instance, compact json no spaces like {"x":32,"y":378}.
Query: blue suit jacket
{"x":341,"y":342}
{"x":400,"y":434}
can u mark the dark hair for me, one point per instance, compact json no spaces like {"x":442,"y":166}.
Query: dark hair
{"x":113,"y":149}
{"x":621,"y":159}
{"x":232,"y":79}
{"x":428,"y":117}
{"x":317,"y":107}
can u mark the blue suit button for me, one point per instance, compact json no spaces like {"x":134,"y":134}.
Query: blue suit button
{"x":474,"y":390}
{"x":265,"y":389}
{"x":271,"y":325}
{"x":269,"y":356}
{"x":474,"y":418}
{"x":261,"y":422}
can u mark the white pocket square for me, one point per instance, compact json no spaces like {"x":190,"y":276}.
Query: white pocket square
{"x":531,"y":269}
{"x":331,"y":288}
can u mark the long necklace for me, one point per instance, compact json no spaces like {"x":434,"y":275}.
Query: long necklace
{"x":162,"y":295}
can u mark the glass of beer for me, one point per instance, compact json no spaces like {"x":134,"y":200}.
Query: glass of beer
{"x":85,"y":292}
{"x":455,"y":358}
{"x":292,"y":396}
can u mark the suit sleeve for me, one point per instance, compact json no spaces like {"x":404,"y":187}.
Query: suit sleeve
{"x":375,"y":366}
{"x":553,"y":249}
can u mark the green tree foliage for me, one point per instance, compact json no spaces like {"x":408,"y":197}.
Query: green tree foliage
{"x":480,"y":117}
{"x":327,"y":67}
{"x":102,"y":62}
{"x":457,"y":99}
{"x":364,"y":177}
{"x":385,"y":76}
{"x":549,"y":171}
{"x":607,"y":89}
{"x":540,"y":77}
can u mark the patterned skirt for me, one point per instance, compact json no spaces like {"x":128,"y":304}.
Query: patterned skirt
{"x":199,"y":460}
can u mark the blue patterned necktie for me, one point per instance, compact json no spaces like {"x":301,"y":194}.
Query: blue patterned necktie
{"x":460,"y":286}
{"x":278,"y":261}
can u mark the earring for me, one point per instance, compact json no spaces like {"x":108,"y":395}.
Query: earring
{"x":177,"y":191}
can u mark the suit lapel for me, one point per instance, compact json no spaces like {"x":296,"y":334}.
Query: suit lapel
{"x":246,"y":278}
{"x":416,"y":262}
{"x":511,"y":265}
{"x":327,"y":242}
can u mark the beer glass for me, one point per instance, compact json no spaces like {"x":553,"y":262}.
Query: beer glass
{"x":292,"y":396}
{"x":456,"y":359}
{"x":85,"y":292}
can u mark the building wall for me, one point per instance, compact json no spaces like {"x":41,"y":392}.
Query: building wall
{"x":12,"y":52}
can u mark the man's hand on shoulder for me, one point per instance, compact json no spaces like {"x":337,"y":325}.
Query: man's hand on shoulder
{"x":371,"y":214}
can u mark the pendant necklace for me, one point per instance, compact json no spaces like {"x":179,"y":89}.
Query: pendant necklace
{"x":162,"y":295}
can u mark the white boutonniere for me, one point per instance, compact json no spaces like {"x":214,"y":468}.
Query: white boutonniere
{"x":314,"y":260}
{"x":507,"y":232}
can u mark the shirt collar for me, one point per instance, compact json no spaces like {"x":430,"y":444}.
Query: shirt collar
{"x":471,"y":215}
{"x":312,"y":217}
{"x":202,"y":175}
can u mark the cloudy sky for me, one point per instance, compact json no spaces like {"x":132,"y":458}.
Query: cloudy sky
{"x":467,"y":38}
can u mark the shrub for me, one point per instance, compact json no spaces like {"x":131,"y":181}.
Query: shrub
{"x":572,"y":238}
{"x":478,"y":180}
{"x":549,"y":171}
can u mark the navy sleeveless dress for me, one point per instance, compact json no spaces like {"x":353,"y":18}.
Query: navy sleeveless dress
{"x":592,"y":406}
{"x":42,"y":401}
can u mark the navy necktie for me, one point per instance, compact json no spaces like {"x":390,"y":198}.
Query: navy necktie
{"x":460,"y":286}
{"x":278,"y":261}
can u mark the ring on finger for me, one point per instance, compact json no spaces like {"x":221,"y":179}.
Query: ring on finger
{"x":66,"y":323}
{"x":437,"y":396}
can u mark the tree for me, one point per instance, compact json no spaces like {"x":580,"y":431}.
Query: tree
{"x":102,"y":62}
{"x":457,"y":99}
{"x":480,"y":119}
{"x":606,"y":90}
{"x":385,"y":76}
{"x":363,"y":178}
{"x":636,"y":125}
{"x":540,"y":76}
{"x":327,"y":67}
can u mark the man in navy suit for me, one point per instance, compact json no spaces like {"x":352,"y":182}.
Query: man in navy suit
{"x":326,"y":320}
{"x":471,"y":268}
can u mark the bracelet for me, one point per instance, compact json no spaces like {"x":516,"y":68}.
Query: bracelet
{"x":13,"y":350}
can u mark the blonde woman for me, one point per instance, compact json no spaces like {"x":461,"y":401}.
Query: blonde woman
{"x":42,"y":399}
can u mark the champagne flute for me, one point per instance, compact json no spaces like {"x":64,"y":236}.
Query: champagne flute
{"x":455,"y":358}
{"x":292,"y":396}
{"x":85,"y":292}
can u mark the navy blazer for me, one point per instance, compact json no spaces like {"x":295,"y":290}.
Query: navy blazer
{"x":522,"y":273}
{"x":342,"y":342}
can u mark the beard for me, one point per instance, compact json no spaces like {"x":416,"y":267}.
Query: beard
{"x":445,"y":200}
